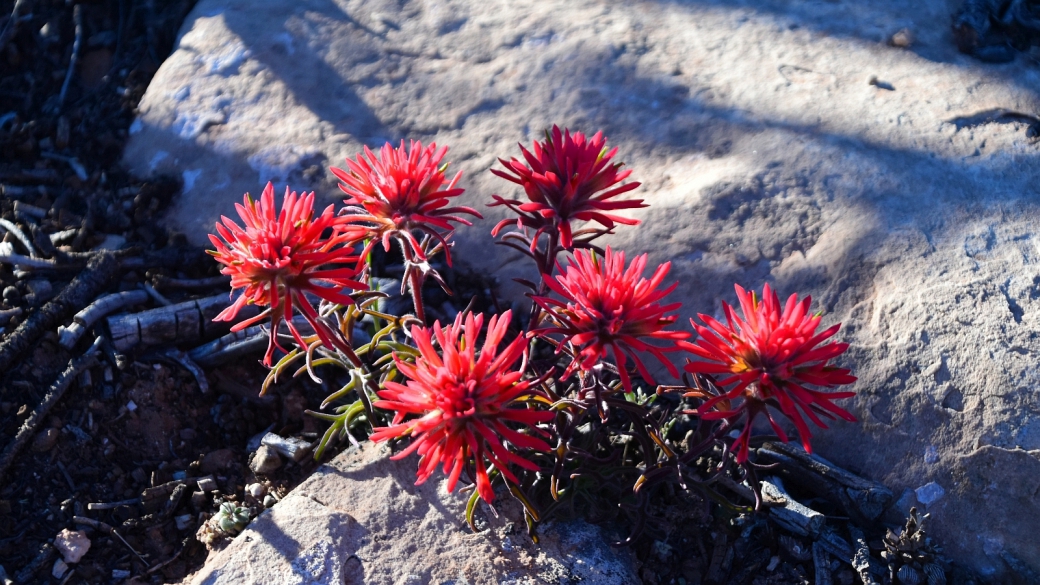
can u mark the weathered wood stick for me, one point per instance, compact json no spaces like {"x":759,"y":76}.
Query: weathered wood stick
{"x":15,"y":231}
{"x":31,"y":176}
{"x":98,"y":525}
{"x":101,"y":271}
{"x":291,"y":447}
{"x":180,"y":323}
{"x":821,"y":564}
{"x":231,"y":346}
{"x":165,"y":282}
{"x":27,"y":262}
{"x":861,"y":560}
{"x":68,"y":336}
{"x":54,"y":394}
{"x":238,"y":344}
{"x":790,"y":514}
{"x":859,"y":496}
{"x":21,"y":8}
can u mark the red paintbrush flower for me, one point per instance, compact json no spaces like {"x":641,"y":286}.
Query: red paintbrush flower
{"x":398,"y":191}
{"x":569,"y":178}
{"x":608,"y":306}
{"x":464,"y":400}
{"x":277,"y":259}
{"x":769,"y":357}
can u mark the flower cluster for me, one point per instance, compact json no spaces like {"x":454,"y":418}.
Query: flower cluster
{"x":279,"y":258}
{"x":495,"y":399}
{"x":566,"y":178}
{"x":464,"y":400}
{"x":607,"y":305}
{"x":400,"y":191}
{"x":769,"y":357}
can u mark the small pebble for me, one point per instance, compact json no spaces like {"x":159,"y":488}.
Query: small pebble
{"x":207,"y":484}
{"x":139,"y":475}
{"x":46,"y":440}
{"x":902,"y":39}
{"x":131,"y":406}
{"x":265,"y":461}
{"x":11,"y":294}
{"x":269,"y":501}
{"x":929,"y":493}
{"x":120,"y":574}
{"x":59,"y":569}
{"x":256,"y":490}
{"x":72,"y":544}
{"x":773,"y":562}
{"x":183,"y":522}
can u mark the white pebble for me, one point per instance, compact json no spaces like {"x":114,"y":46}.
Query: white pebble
{"x":929,"y":493}
{"x":72,"y":544}
{"x":59,"y":569}
{"x":256,"y":490}
{"x":131,"y":406}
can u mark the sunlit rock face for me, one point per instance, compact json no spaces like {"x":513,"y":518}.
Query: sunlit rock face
{"x":908,"y":207}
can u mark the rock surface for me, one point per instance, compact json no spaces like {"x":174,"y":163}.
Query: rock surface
{"x":776,"y":141}
{"x":360,"y":519}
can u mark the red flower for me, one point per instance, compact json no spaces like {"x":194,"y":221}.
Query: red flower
{"x":399,"y":191}
{"x":276,"y":259}
{"x":608,"y":306}
{"x":569,"y":178}
{"x":463,"y":401}
{"x":770,"y":357}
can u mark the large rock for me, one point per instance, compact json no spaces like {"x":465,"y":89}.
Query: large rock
{"x":360,"y":519}
{"x":907,"y":205}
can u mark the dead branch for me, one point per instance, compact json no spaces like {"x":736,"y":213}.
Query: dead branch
{"x":180,"y":323}
{"x":54,"y":394}
{"x":68,"y":336}
{"x":27,"y":262}
{"x":165,"y":282}
{"x":101,"y":271}
{"x":857,"y":495}
{"x":98,"y":525}
{"x":861,"y":560}
{"x":11,"y":27}
{"x":186,"y":362}
{"x":15,"y":231}
{"x":77,"y":17}
{"x":231,"y":346}
{"x":790,"y":514}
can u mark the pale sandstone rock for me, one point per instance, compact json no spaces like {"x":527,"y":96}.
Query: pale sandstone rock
{"x":360,"y":519}
{"x":907,"y":206}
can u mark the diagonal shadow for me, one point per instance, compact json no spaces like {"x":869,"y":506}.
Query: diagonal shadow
{"x":930,"y":23}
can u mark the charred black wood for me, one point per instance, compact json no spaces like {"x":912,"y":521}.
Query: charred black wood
{"x":860,"y":497}
{"x":54,"y":394}
{"x":100,"y":273}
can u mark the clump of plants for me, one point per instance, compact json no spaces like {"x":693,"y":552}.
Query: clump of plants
{"x":555,"y":407}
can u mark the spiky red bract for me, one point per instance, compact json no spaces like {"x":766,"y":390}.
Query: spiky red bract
{"x":277,"y":258}
{"x":608,"y":306}
{"x":398,"y":191}
{"x":465,"y":400}
{"x":769,"y":357}
{"x":567,"y":178}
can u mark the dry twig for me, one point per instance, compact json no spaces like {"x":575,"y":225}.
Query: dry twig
{"x":77,"y":16}
{"x":54,"y":394}
{"x":68,"y":336}
{"x":100,"y":272}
